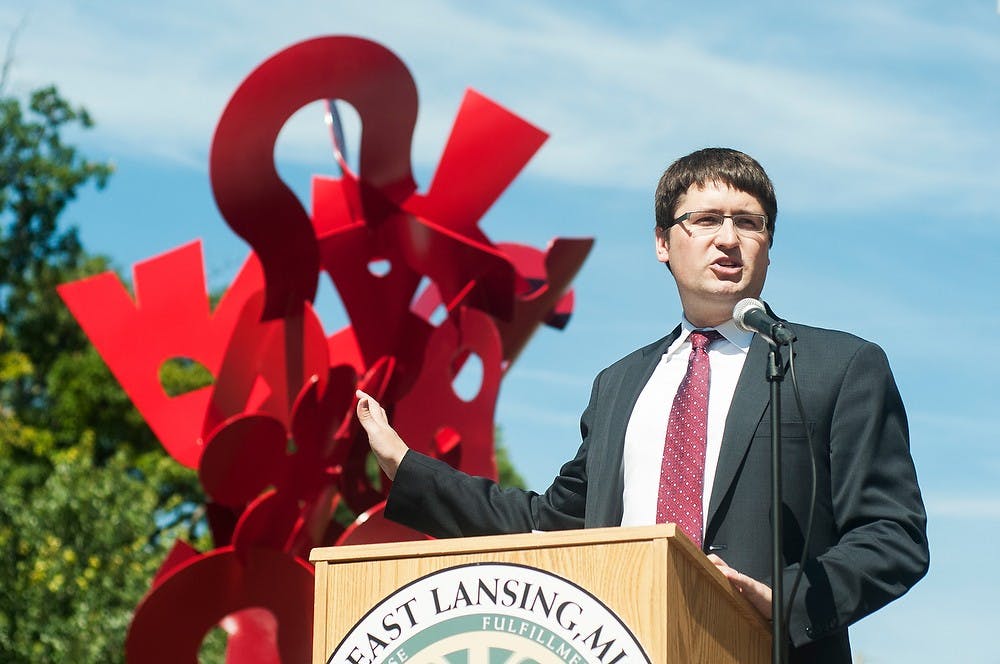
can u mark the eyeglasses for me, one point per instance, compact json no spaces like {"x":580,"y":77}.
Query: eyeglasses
{"x":709,"y":223}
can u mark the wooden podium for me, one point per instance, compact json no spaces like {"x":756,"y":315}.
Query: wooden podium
{"x":610,"y":595}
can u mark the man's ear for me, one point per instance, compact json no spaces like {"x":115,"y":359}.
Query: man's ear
{"x":661,"y":237}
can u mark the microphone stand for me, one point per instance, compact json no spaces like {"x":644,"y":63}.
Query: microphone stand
{"x":775,"y":374}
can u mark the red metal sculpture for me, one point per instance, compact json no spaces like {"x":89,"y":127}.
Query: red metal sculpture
{"x":273,"y":438}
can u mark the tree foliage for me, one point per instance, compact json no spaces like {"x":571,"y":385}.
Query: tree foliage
{"x":82,"y":474}
{"x":77,"y":548}
{"x":39,"y":176}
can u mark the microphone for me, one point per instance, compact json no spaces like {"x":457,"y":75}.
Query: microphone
{"x":751,"y":316}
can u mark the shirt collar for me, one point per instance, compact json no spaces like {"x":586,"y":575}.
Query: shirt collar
{"x":734,"y":335}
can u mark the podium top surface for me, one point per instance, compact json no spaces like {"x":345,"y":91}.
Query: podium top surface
{"x":498,"y":543}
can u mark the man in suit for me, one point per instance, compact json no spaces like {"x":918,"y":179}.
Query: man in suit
{"x":715,"y":212}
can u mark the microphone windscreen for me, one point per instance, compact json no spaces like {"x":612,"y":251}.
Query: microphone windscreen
{"x":742,"y":308}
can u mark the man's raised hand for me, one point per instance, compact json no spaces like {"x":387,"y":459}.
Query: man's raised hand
{"x":387,"y":446}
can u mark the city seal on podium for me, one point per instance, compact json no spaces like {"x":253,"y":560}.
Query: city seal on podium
{"x":490,"y":613}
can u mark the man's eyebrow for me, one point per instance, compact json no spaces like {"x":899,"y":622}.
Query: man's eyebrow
{"x":736,"y":211}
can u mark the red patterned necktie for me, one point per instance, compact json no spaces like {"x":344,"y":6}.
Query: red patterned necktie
{"x":682,"y":473}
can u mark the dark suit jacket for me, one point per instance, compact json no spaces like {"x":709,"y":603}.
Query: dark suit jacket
{"x":869,"y":542}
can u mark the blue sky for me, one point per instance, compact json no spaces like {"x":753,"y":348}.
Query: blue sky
{"x":876,"y":120}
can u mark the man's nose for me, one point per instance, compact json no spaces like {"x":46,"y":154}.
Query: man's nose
{"x":727,"y":236}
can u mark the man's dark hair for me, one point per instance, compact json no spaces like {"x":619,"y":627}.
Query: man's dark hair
{"x":723,"y":165}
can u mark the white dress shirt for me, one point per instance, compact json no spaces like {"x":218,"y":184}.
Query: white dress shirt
{"x":647,"y":426}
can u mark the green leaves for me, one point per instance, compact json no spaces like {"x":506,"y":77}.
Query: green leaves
{"x":77,"y":553}
{"x":39,"y":176}
{"x":89,"y":502}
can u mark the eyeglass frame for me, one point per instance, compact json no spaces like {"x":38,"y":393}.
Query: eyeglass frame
{"x":732,"y":217}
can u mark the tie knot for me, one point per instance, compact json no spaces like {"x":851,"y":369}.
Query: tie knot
{"x":700,"y":339}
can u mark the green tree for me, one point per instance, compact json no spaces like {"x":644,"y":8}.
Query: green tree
{"x":82,"y":474}
{"x":39,"y":176}
{"x":64,"y":387}
{"x":77,"y":551}
{"x":507,"y":475}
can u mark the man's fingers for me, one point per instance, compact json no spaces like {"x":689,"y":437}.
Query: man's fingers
{"x":388,"y":447}
{"x":364,"y":407}
{"x":726,"y":570}
{"x":740,"y":580}
{"x":369,"y":410}
{"x":364,"y":399}
{"x":757,"y":593}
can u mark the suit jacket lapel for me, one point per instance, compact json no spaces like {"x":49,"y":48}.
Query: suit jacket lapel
{"x":749,"y":402}
{"x":634,"y":378}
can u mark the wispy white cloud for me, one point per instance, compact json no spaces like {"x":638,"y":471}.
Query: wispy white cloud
{"x":527,"y":415}
{"x":964,"y":427}
{"x":906,"y":25}
{"x":619,"y":101}
{"x":550,"y":378}
{"x":978,"y":507}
